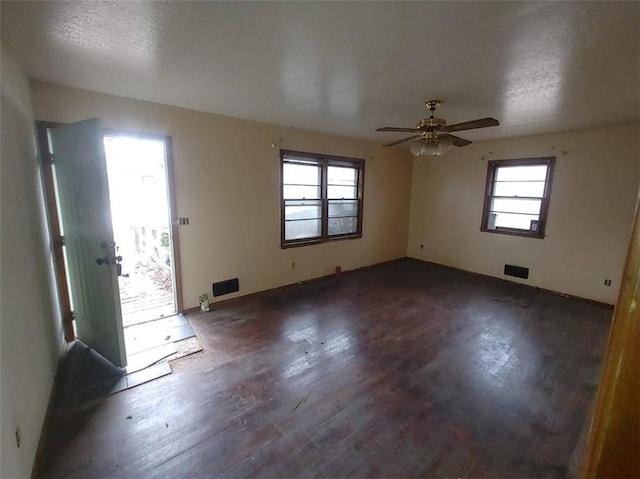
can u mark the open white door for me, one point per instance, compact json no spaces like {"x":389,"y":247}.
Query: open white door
{"x":83,"y":195}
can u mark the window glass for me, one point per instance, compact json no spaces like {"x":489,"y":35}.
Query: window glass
{"x":301,"y":181}
{"x":532,"y":189}
{"x":507,"y":220}
{"x":343,"y":208}
{"x":301,"y":229}
{"x":342,"y":191}
{"x":340,"y":175}
{"x":300,"y":174}
{"x":516,"y":205}
{"x":521,"y":173}
{"x":302,"y":210}
{"x":344,"y":225}
{"x":301,"y":192}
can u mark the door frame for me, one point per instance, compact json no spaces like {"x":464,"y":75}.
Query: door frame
{"x":46,"y":160}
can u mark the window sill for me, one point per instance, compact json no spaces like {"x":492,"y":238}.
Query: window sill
{"x":312,"y":241}
{"x":521,"y":233}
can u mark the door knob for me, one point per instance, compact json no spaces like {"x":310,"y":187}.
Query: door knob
{"x":101,"y":261}
{"x":109,"y":260}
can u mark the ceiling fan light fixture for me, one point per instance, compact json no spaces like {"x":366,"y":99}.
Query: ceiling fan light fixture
{"x":430,"y":146}
{"x":415,"y":147}
{"x":444,"y":144}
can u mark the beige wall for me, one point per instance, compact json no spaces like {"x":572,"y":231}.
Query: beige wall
{"x":227,"y":183}
{"x":595,"y":186}
{"x":31,"y":335}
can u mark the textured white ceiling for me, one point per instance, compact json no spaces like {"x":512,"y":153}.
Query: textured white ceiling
{"x":343,"y":67}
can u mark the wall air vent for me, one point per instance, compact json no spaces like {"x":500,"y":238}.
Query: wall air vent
{"x":517,"y":271}
{"x":225,"y":287}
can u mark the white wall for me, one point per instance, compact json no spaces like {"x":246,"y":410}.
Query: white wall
{"x":595,"y":186}
{"x":227,"y":183}
{"x":30,"y":327}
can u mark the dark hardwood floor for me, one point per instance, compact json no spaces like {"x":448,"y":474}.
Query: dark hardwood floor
{"x":400,"y":370}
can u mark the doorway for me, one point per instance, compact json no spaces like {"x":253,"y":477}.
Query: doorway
{"x":141,"y":218}
{"x":88,"y":261}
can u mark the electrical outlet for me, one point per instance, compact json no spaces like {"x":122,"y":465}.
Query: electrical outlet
{"x":18,"y":440}
{"x":607,"y":282}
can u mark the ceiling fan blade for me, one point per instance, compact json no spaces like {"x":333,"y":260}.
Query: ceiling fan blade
{"x":403,"y":140}
{"x":393,"y":128}
{"x":457,"y":140}
{"x":471,"y":125}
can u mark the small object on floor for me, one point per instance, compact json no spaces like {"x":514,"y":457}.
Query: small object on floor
{"x":204,"y":302}
{"x":129,"y":417}
{"x":302,"y":401}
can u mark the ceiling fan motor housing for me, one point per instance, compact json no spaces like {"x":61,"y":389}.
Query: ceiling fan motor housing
{"x":430,"y":124}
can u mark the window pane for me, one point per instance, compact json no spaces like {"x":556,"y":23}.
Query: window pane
{"x":339,"y":226}
{"x":342,"y":191}
{"x":522,"y":222}
{"x":521,"y":173}
{"x":343,"y":208}
{"x":515,"y":206}
{"x":337,"y":175}
{"x":507,"y":188}
{"x":301,"y":229}
{"x":297,"y":210}
{"x":299,"y":192}
{"x":293,"y":173}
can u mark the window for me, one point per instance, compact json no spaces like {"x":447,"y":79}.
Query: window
{"x":517,"y":196}
{"x":321,"y":198}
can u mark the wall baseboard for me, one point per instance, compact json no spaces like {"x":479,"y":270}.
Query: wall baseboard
{"x":36,"y":471}
{"x":195,"y":309}
{"x":473,"y":273}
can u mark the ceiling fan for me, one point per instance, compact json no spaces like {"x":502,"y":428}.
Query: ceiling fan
{"x":432,"y":135}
